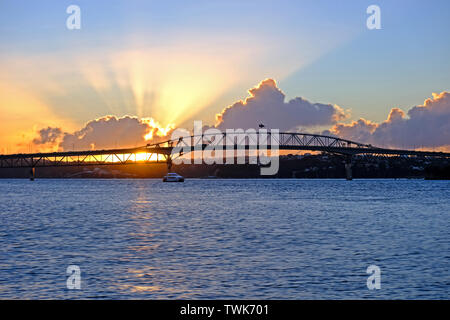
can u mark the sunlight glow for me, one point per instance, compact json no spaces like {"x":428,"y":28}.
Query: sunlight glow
{"x":168,"y":86}
{"x":21,"y":115}
{"x":118,"y":158}
{"x":160,"y":131}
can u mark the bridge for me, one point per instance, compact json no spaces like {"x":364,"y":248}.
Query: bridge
{"x":166,"y":151}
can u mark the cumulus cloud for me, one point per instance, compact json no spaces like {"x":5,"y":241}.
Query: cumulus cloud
{"x":267,"y":105}
{"x":105,"y":133}
{"x":426,"y":125}
{"x":48,"y":135}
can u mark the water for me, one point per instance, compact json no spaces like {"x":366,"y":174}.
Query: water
{"x":210,"y":239}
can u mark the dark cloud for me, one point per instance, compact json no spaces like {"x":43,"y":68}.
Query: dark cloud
{"x":48,"y":135}
{"x":426,"y":125}
{"x":267,"y":105}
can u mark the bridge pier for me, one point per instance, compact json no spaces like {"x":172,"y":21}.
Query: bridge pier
{"x":169,"y":164}
{"x":348,"y":167}
{"x":32,"y":173}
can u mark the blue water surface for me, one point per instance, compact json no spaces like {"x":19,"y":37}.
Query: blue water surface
{"x":224,"y":239}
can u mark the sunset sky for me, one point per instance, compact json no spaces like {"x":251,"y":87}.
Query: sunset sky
{"x":167,"y":63}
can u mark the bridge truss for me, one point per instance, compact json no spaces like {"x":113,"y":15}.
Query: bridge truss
{"x":165,"y":151}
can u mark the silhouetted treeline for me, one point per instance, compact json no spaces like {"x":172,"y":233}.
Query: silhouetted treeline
{"x":437,"y":172}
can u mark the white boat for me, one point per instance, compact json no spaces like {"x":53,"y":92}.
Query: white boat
{"x":173,"y":177}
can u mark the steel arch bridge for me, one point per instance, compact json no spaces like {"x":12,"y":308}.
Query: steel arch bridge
{"x":165,"y":151}
{"x":289,"y":141}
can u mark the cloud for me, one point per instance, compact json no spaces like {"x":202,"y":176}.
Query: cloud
{"x":426,"y":125}
{"x":267,"y":105}
{"x":48,"y":135}
{"x":105,"y":133}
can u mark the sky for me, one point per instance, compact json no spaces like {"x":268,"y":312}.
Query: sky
{"x":145,"y":67}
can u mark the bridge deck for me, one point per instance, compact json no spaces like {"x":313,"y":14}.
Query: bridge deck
{"x":162,"y":152}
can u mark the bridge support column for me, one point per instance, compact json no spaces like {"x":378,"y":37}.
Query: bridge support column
{"x":169,"y":164}
{"x":32,"y":173}
{"x":348,"y":167}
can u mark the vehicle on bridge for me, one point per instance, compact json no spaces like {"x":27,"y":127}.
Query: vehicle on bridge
{"x":173,"y":177}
